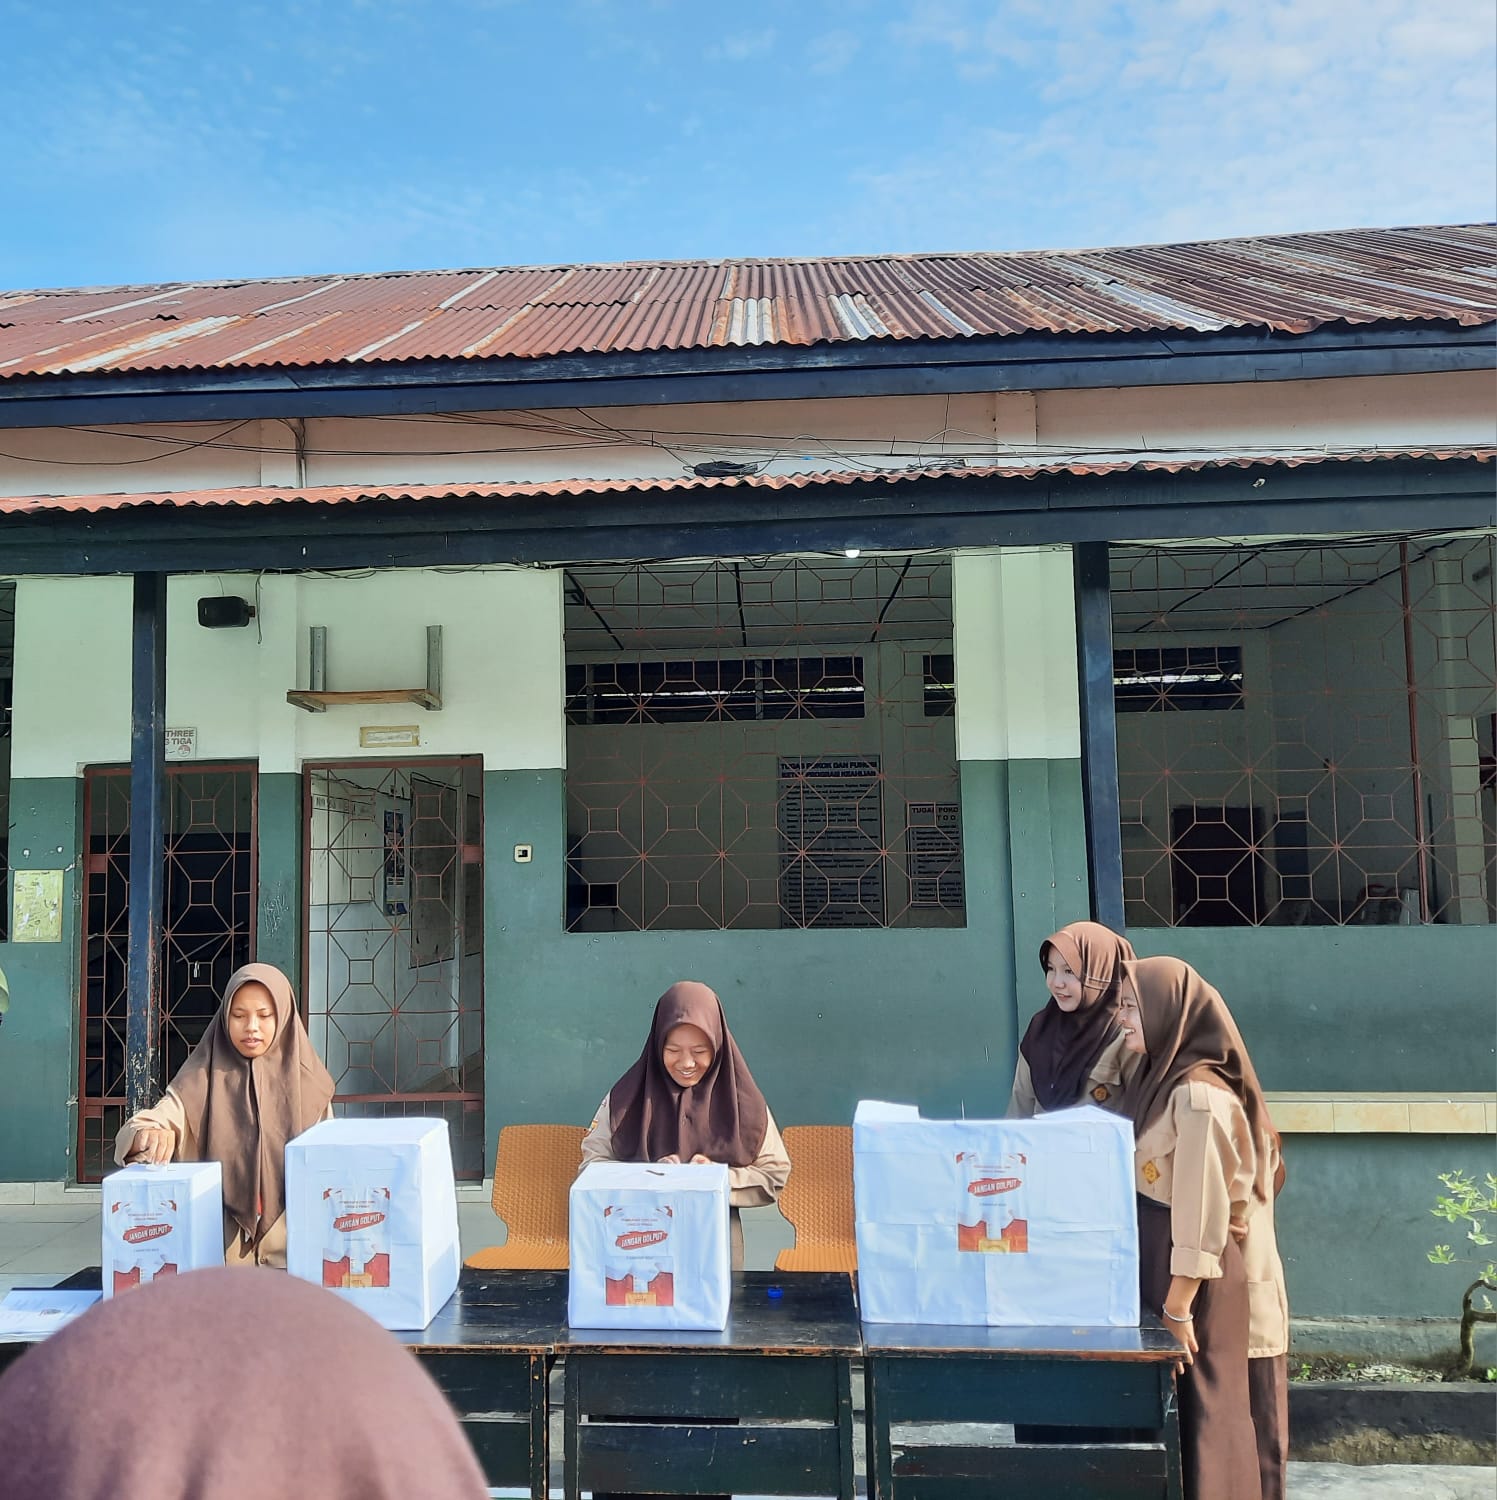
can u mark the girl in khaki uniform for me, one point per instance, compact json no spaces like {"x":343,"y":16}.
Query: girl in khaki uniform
{"x":1205,"y":1159}
{"x":1072,"y":1051}
{"x":250,"y":1085}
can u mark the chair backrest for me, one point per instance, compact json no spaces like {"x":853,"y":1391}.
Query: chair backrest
{"x":817,"y":1200}
{"x":533,"y":1172}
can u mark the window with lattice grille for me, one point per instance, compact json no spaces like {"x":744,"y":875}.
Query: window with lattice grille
{"x":756,"y":745}
{"x":1303,"y":731}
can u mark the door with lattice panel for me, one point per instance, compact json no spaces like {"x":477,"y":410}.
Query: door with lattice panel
{"x":208,"y":929}
{"x":394,"y":940}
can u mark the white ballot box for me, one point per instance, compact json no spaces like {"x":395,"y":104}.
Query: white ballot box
{"x":649,"y":1247}
{"x":161,"y":1220}
{"x":995,"y":1222}
{"x":371,"y":1212}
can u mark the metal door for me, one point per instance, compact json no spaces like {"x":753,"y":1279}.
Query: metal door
{"x":394,"y":939}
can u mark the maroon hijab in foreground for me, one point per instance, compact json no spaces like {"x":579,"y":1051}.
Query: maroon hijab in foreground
{"x":238,"y":1384}
{"x":722,"y":1116}
{"x":244,"y":1110}
{"x":1062,"y":1049}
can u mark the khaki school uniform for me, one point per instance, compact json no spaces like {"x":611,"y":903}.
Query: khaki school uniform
{"x":168,"y":1114}
{"x":1199,"y":1164}
{"x":1199,"y":1159}
{"x":754,"y":1186}
{"x":1104,"y":1085}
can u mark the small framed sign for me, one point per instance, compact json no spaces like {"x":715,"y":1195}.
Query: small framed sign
{"x":181,"y":743}
{"x":390,"y":737}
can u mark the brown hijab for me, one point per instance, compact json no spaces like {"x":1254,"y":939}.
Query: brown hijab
{"x":243,"y":1110}
{"x":1061,"y":1049}
{"x":1190,"y":1035}
{"x":722,"y":1116}
{"x":252,"y":1385}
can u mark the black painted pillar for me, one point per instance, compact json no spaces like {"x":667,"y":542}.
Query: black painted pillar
{"x":1099,"y":736}
{"x":147,"y":838}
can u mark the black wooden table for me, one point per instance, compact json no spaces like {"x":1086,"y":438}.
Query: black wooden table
{"x":1120,"y":1379}
{"x":490,"y":1349}
{"x":764,"y":1407}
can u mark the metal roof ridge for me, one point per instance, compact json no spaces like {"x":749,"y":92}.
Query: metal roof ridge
{"x":860,"y":257}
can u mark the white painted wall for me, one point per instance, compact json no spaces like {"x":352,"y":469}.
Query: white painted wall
{"x":1016,"y":676}
{"x":791,"y":435}
{"x":502,"y":669}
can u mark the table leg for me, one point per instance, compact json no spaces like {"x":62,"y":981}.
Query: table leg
{"x":880,"y":1450}
{"x":572,"y":1437}
{"x":1170,"y":1396}
{"x":540,"y":1427}
{"x":847,"y":1470}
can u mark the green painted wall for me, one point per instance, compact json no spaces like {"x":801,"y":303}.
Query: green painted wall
{"x":825,"y":1018}
{"x":1354,"y":1223}
{"x":38,"y":1042}
{"x":278,"y":934}
{"x":1382,"y":1008}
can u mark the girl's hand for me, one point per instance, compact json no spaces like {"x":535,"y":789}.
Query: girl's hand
{"x":673,"y":1160}
{"x":151,"y":1144}
{"x":1238,"y":1229}
{"x":1185,"y":1334}
{"x":701,"y":1161}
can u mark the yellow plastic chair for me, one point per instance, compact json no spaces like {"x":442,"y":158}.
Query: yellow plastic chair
{"x":533,"y":1171}
{"x":818,"y":1199}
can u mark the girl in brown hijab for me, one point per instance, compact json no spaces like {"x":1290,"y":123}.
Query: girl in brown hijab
{"x":250,"y":1085}
{"x":252,"y":1386}
{"x":1072,"y":1051}
{"x":689,"y":1097}
{"x":1205,"y":1158}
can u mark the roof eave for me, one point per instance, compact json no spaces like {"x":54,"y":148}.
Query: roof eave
{"x":883,"y":367}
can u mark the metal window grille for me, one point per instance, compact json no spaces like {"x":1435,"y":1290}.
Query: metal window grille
{"x":208,"y":929}
{"x":748,"y":745}
{"x":1330,"y":769}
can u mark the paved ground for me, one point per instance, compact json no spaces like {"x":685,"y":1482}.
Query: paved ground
{"x":41,"y":1243}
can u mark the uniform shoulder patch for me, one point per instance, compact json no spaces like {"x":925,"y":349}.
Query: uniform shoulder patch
{"x":1150,"y":1173}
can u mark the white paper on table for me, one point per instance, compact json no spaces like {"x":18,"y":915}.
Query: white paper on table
{"x":27,"y":1315}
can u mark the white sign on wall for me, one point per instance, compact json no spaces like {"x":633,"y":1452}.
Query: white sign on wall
{"x":181,"y":744}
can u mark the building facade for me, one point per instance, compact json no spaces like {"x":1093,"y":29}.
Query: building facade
{"x":819,"y":682}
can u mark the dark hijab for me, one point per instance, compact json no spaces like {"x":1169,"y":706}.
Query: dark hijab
{"x":1190,"y":1035}
{"x":243,"y":1110}
{"x":1062,"y":1049}
{"x":722,"y":1116}
{"x":229,"y":1384}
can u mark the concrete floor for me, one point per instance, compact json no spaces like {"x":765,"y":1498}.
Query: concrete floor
{"x":40,"y":1243}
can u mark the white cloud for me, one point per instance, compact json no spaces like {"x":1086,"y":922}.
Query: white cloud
{"x":742,"y":46}
{"x":832,"y":51}
{"x":1194,"y":119}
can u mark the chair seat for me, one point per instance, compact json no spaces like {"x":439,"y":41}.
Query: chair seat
{"x":534,"y":1255}
{"x":819,"y":1257}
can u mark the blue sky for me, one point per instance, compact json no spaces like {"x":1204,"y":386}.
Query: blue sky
{"x":168,"y":139}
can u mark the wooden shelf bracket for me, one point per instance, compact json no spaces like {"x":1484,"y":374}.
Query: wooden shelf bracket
{"x":317,"y":697}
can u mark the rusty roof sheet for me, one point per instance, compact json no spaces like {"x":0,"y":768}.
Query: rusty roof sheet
{"x":353,"y":494}
{"x":1289,"y":283}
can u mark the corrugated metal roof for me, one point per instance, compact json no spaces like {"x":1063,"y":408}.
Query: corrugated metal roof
{"x":351,"y":494}
{"x":1290,"y":283}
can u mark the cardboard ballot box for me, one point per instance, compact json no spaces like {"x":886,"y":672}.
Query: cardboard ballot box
{"x":161,"y":1220}
{"x":371,"y":1212}
{"x":994,"y":1222}
{"x":649,"y":1247}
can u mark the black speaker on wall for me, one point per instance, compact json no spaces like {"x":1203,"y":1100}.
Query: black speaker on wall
{"x":224,"y":612}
